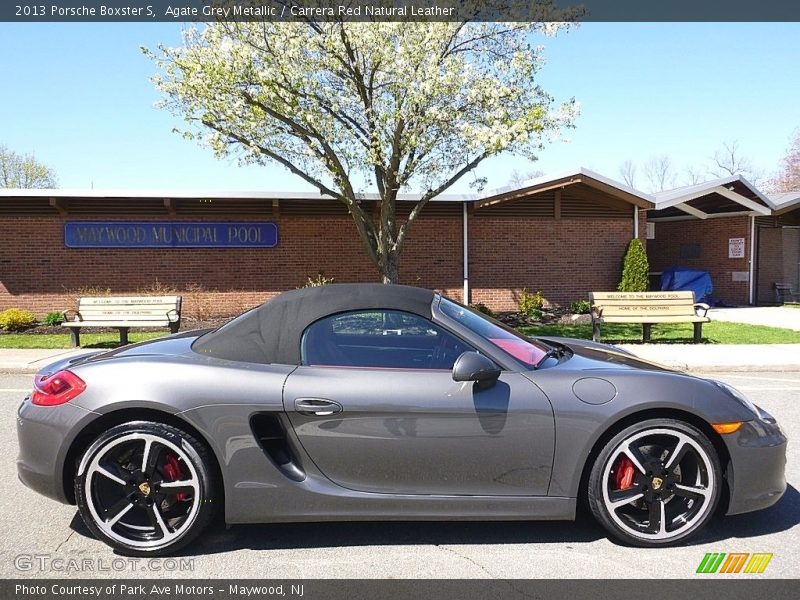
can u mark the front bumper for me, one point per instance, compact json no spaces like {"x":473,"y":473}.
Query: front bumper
{"x":757,"y":470}
{"x":45,"y":434}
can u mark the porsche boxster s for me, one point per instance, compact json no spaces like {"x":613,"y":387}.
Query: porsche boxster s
{"x":369,"y":401}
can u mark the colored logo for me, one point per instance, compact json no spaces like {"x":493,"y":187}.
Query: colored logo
{"x":735,"y":562}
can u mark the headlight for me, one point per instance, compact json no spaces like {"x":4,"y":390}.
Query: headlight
{"x":736,"y":395}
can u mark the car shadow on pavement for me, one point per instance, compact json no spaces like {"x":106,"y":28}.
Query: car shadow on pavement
{"x":784,"y":515}
{"x":281,"y":536}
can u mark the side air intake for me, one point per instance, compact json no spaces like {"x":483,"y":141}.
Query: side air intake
{"x":271,"y":436}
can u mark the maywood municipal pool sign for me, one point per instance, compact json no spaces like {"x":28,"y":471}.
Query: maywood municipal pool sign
{"x":177,"y":234}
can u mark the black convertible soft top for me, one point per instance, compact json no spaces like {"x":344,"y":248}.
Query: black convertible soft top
{"x":271,"y":333}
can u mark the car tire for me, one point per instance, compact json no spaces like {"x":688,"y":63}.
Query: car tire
{"x":655,"y":483}
{"x":147,"y":506}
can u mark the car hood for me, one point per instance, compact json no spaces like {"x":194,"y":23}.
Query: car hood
{"x":595,"y":355}
{"x":172,"y":345}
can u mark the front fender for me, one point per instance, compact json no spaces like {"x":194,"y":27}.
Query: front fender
{"x":580,"y":424}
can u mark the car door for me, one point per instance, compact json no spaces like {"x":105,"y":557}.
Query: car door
{"x":376,"y":408}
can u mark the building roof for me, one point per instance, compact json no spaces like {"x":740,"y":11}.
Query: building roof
{"x":718,"y":197}
{"x":191,"y":194}
{"x":579,"y":175}
{"x":532,"y":185}
{"x":784,"y":202}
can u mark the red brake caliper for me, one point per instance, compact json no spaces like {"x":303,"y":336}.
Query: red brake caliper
{"x":623,"y":474}
{"x":172,"y":471}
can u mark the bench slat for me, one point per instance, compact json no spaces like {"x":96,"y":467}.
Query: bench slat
{"x":135,"y":319}
{"x":660,"y":301}
{"x":666,"y":295}
{"x":154,"y":306}
{"x":125,"y":323}
{"x":654,"y":319}
{"x":659,"y":310}
{"x":127,"y":311}
{"x":129,"y":300}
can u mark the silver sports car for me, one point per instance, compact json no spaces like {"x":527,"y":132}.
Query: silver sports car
{"x":348,"y":402}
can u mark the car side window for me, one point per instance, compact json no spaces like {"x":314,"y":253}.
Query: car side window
{"x":382,"y":339}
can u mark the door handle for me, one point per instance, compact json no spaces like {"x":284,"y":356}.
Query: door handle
{"x":319,"y":407}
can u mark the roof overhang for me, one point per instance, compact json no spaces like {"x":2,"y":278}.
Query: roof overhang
{"x":729,"y":196}
{"x":580,"y":176}
{"x":789,"y":202}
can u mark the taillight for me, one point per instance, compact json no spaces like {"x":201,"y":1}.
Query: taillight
{"x":56,"y":389}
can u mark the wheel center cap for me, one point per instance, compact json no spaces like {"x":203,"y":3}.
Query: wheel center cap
{"x":657,"y":483}
{"x":144,"y":487}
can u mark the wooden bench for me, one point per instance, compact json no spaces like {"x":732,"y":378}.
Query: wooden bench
{"x":647,"y":308}
{"x":123,"y":313}
{"x":784,"y":293}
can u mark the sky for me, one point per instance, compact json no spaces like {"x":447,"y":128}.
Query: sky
{"x":78,"y":96}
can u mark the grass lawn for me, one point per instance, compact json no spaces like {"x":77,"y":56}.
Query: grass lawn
{"x":61,"y":340}
{"x":715,"y":332}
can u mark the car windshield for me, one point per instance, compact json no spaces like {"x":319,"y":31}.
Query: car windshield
{"x":526,"y":350}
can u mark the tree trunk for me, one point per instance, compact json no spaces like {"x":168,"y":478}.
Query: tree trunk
{"x":390,"y":267}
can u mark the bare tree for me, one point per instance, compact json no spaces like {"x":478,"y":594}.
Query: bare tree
{"x":18,"y":171}
{"x":729,"y":160}
{"x":627,"y":171}
{"x":660,"y":173}
{"x":518,"y":178}
{"x":787,"y":179}
{"x":693,"y":175}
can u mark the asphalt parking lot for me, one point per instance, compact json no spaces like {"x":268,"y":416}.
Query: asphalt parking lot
{"x":45,"y":539}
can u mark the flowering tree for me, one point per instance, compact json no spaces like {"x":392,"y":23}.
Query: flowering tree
{"x":788,"y":177}
{"x":388,"y":106}
{"x":18,"y":171}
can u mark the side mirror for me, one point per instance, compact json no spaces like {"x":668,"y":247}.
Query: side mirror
{"x":472,"y":366}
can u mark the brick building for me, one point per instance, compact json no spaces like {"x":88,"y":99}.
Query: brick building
{"x":744,"y":239}
{"x":564,"y":235}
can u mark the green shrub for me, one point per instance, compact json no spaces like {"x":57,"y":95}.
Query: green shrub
{"x":53,"y":319}
{"x":634,"y":269}
{"x":530,"y":304}
{"x":535,"y":314}
{"x":580,"y":307}
{"x":482,"y":308}
{"x":317,"y":281}
{"x":16,"y":319}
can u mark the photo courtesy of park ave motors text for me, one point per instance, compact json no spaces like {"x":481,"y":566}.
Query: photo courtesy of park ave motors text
{"x":510,"y":292}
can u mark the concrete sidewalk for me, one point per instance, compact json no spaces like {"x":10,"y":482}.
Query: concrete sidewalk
{"x":687,"y":357}
{"x":30,"y":361}
{"x":721,"y":357}
{"x":770,"y":316}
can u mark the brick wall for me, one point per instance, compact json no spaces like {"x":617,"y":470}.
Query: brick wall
{"x":565,"y":259}
{"x":778,"y":261}
{"x":38,"y":273}
{"x":712,"y":236}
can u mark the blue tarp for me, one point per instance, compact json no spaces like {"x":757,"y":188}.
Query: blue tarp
{"x":681,"y":278}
